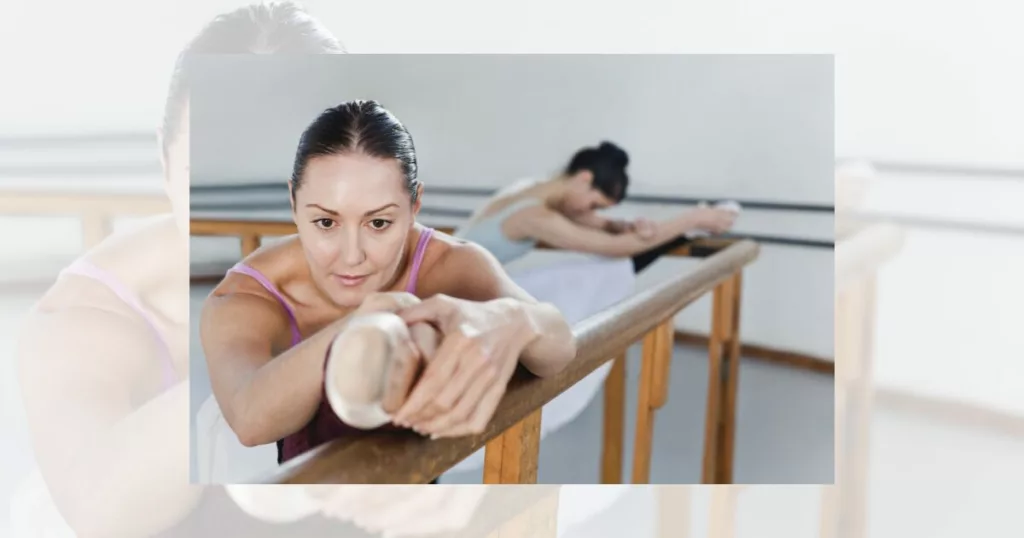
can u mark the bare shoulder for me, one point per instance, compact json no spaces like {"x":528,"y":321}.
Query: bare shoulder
{"x":100,"y":343}
{"x":461,"y":269}
{"x":279,"y":263}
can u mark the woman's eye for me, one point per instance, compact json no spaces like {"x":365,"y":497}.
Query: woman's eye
{"x":324,"y":224}
{"x":379,"y":224}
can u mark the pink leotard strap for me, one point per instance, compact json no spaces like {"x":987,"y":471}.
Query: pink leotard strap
{"x":85,"y":268}
{"x":265,"y":282}
{"x":421,"y":248}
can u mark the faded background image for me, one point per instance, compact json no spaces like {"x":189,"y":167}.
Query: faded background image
{"x":927,"y":93}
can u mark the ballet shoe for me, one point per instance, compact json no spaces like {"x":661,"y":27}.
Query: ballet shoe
{"x":358,"y":366}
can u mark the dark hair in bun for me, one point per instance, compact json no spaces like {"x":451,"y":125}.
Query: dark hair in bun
{"x":607,"y":162}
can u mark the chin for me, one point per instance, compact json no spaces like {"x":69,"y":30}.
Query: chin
{"x":351,"y":296}
{"x":348,"y":298}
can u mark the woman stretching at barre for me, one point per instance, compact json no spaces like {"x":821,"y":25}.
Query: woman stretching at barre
{"x":308,"y":338}
{"x":561,"y":212}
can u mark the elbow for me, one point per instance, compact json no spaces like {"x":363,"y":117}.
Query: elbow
{"x":558,"y":358}
{"x":565,"y":356}
{"x":250,"y":433}
{"x":249,"y":438}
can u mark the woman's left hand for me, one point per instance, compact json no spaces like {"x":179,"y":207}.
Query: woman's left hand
{"x":466,"y":379}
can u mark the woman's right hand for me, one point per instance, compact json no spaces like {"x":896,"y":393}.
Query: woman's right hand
{"x":714,"y":220}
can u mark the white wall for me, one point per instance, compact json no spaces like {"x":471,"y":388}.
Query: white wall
{"x":754,"y":127}
{"x":741,"y":126}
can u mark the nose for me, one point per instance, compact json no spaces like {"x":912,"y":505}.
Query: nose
{"x":352,"y":253}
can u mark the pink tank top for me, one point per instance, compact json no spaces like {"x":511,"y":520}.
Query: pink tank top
{"x":325,"y":425}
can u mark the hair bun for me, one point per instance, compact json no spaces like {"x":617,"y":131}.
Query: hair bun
{"x":616,"y":154}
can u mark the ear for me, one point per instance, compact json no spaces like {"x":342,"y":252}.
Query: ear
{"x":291,"y":196}
{"x":419,"y":201}
{"x":585,"y":177}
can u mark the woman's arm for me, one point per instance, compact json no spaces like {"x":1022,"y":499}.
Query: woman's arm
{"x":112,"y":467}
{"x":472,"y":273}
{"x":266,"y":396}
{"x":552,"y":228}
{"x":263,"y":396}
{"x":591,"y":219}
{"x":489,"y":326}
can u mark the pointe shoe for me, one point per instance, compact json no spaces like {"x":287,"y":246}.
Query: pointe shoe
{"x":358,"y":367}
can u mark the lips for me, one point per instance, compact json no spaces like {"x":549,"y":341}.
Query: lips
{"x":350,"y":280}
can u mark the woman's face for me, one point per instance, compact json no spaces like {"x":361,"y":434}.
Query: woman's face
{"x":581,"y":196}
{"x":354,"y":215}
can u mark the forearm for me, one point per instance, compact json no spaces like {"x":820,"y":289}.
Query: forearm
{"x":132,"y":479}
{"x":676,"y":226}
{"x":617,"y":226}
{"x":552,"y":344}
{"x":282,"y":396}
{"x":607,"y":225}
{"x":631,"y":244}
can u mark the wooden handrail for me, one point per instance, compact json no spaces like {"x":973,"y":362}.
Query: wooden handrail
{"x":404,"y":457}
{"x":96,"y":209}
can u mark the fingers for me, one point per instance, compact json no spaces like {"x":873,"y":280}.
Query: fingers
{"x":468,"y":401}
{"x":407,"y":365}
{"x":437,"y":373}
{"x":436,"y":310}
{"x":472,"y":362}
{"x":481,"y":416}
{"x":426,"y":339}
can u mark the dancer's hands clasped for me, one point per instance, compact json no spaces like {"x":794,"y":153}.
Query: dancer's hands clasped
{"x":713,"y":219}
{"x":645,"y":228}
{"x":466,"y":378}
{"x":419,"y":347}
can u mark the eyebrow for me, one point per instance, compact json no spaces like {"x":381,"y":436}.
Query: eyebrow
{"x":367,"y":214}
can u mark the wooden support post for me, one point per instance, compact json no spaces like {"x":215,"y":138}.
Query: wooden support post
{"x":644,"y":410}
{"x":673,"y":512}
{"x":511,"y":458}
{"x":613,"y":430}
{"x":95,"y":228}
{"x":539,"y":520}
{"x":717,"y":375}
{"x":731,"y":369}
{"x":861,"y":398}
{"x":250,"y":242}
{"x":722,"y":519}
{"x":663,"y":362}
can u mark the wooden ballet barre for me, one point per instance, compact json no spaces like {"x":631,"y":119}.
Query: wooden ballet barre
{"x":512,"y":438}
{"x":656,"y":359}
{"x":96,"y":210}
